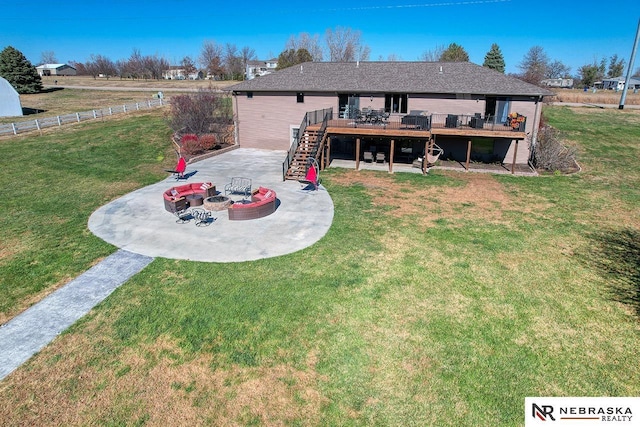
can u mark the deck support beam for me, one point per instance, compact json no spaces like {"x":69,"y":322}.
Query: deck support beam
{"x":428,"y":148}
{"x":391,"y":151}
{"x":358,"y":153}
{"x":515,"y":153}
{"x":468,"y":156}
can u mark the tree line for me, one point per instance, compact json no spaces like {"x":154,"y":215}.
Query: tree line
{"x":341,"y":44}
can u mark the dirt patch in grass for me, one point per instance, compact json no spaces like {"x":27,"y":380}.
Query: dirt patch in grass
{"x":480,"y":197}
{"x":80,"y":381}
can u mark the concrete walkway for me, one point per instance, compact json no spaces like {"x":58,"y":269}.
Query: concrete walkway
{"x":29,"y":332}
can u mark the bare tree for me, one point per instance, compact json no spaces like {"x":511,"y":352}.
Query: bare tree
{"x":432,"y":55}
{"x":232,"y":62}
{"x":189,"y":65}
{"x":393,"y":57}
{"x":534,"y":65}
{"x":99,"y":65}
{"x":48,"y":57}
{"x":200,"y":113}
{"x":344,"y":45}
{"x":307,"y":42}
{"x":81,"y":70}
{"x":557,"y":70}
{"x":134,"y":67}
{"x":211,"y":59}
{"x":154,"y":66}
{"x":246,"y":54}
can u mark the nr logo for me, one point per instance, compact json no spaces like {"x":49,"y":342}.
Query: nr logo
{"x":542,"y":412}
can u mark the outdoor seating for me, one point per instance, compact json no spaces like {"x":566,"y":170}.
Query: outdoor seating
{"x":368,"y":156}
{"x":416,"y":119}
{"x":312,"y":177}
{"x":238,"y":185}
{"x":176,"y":200}
{"x":263,"y":203}
{"x":380,"y":158}
{"x":178,"y":171}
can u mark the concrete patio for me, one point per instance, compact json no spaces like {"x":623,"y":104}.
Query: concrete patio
{"x":138,"y":222}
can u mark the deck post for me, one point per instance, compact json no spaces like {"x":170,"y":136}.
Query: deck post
{"x":328,"y":152}
{"x":391,"y":151}
{"x":468,"y":155}
{"x":427,"y":148}
{"x":515,"y":153}
{"x":358,"y":153}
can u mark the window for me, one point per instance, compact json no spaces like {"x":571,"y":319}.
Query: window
{"x":300,"y":97}
{"x":395,"y":103}
{"x":497,"y":109}
{"x":250,"y":95}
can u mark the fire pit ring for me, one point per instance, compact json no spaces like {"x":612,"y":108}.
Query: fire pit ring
{"x":216,"y":203}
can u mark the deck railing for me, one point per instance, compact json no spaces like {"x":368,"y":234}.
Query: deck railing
{"x":428,"y":122}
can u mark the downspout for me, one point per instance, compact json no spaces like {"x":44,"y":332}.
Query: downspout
{"x":236,"y":121}
{"x":534,"y":132}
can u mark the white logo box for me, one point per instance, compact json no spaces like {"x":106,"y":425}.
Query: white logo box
{"x":581,"y":411}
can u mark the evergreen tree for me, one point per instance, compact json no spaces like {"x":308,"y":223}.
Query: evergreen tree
{"x":291,"y":57}
{"x":18,"y":71}
{"x":454,"y":53}
{"x":494,"y":59}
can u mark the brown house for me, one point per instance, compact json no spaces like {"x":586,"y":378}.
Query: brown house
{"x":399,"y":109}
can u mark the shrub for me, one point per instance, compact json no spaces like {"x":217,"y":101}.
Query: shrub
{"x":200,"y":113}
{"x":188,"y":137}
{"x":208,"y":141}
{"x":550,"y":154}
{"x":191,"y":144}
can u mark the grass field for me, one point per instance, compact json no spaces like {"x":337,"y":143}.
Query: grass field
{"x":447,"y":311}
{"x":76,"y":94}
{"x":599,"y":97}
{"x":87,"y":81}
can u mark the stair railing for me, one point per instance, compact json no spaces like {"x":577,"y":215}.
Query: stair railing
{"x":310,"y":118}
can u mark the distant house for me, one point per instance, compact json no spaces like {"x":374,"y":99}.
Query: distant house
{"x":561,"y":83}
{"x":9,"y":100}
{"x":260,"y":68}
{"x":174,"y":72}
{"x":56,"y":70}
{"x":463,"y":107}
{"x":617,"y":83}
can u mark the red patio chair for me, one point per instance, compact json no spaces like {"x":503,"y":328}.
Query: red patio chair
{"x":311,"y":177}
{"x":178,"y":171}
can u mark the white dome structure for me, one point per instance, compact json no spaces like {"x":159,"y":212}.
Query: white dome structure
{"x":9,"y":100}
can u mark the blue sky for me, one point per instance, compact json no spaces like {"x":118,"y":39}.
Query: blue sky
{"x":575,"y":33}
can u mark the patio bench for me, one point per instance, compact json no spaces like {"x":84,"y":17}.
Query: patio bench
{"x":238,"y":185}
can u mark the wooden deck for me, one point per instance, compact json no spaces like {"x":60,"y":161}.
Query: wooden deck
{"x":393,"y":129}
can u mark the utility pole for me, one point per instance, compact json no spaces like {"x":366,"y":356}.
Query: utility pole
{"x":630,"y":69}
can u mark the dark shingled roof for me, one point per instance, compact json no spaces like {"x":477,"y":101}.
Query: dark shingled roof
{"x":391,"y":77}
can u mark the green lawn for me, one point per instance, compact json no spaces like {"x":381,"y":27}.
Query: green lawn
{"x":445,"y":304}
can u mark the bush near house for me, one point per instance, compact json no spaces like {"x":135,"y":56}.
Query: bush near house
{"x":206,"y":116}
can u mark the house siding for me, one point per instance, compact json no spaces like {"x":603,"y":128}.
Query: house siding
{"x":265,"y":120}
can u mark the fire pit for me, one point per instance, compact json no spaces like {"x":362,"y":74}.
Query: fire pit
{"x":216,"y":203}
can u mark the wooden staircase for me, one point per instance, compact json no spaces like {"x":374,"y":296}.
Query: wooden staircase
{"x":308,"y":147}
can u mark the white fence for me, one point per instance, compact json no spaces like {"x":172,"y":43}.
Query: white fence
{"x":47,"y":122}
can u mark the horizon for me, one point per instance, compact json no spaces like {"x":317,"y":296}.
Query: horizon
{"x":405,"y":31}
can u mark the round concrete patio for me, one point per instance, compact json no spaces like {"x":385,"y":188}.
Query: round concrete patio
{"x":139,"y":223}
